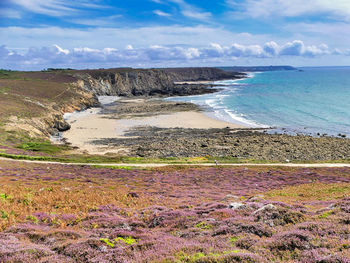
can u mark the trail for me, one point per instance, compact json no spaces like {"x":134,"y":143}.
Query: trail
{"x":155,"y":165}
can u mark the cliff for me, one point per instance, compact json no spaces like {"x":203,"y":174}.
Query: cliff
{"x":150,"y":82}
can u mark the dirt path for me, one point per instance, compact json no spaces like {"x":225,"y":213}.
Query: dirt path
{"x":150,"y":165}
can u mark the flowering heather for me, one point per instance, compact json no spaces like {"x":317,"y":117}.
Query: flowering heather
{"x":61,"y":213}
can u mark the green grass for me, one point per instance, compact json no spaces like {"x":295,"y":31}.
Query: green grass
{"x":327,"y":214}
{"x":44,"y":146}
{"x":100,"y":159}
{"x":203,"y":226}
{"x":8,"y":74}
{"x":121,"y":240}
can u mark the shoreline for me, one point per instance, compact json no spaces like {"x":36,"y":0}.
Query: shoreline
{"x":214,"y":113}
{"x":109,"y":123}
{"x":156,"y":128}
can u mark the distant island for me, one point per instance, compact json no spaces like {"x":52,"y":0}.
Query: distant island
{"x":257,"y":68}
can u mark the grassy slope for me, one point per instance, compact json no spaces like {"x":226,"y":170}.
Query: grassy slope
{"x":26,"y":95}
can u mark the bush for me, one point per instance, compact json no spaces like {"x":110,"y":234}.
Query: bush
{"x":292,"y":240}
{"x":275,"y":216}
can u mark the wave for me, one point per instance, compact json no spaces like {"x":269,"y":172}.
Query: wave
{"x":243,"y":120}
{"x":222,"y":112}
{"x":217,"y":108}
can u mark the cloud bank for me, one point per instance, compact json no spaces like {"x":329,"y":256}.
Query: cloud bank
{"x":84,"y":57}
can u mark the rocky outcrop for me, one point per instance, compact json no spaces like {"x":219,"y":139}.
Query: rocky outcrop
{"x":151,"y":82}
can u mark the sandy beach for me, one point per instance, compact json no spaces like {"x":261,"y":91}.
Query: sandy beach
{"x":157,"y":128}
{"x":96,"y":124}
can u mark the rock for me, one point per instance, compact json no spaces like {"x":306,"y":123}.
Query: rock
{"x":60,"y":124}
{"x":133,"y":195}
{"x":236,"y":205}
{"x":276,"y":216}
{"x":265,"y":207}
{"x":102,"y":248}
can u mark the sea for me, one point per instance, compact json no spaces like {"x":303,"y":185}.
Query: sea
{"x":312,"y":101}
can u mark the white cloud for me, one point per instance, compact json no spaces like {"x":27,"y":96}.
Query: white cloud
{"x":158,"y":1}
{"x":188,"y":10}
{"x":97,"y":21}
{"x":298,"y":48}
{"x":61,"y":50}
{"x":86,"y":50}
{"x":271,"y":48}
{"x":196,"y":14}
{"x":161,"y":13}
{"x":56,"y":56}
{"x":295,"y":48}
{"x":335,"y":34}
{"x":120,"y":37}
{"x":10,"y":13}
{"x":339,"y":9}
{"x":47,"y":7}
{"x":55,"y":7}
{"x":237,"y":50}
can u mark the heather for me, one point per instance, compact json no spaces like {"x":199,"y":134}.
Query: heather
{"x":62,"y":213}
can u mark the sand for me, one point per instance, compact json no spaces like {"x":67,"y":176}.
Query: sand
{"x":92,"y":125}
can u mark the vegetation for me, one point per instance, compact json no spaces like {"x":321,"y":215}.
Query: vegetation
{"x":86,"y":214}
{"x":99,"y":213}
{"x":42,"y":146}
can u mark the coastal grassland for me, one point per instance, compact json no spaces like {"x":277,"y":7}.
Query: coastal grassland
{"x":62,"y":213}
{"x":32,"y":104}
{"x":25,"y":94}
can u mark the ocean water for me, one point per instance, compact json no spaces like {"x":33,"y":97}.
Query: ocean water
{"x":310,"y":101}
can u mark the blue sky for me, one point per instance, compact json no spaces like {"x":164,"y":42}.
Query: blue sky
{"x":37,"y":34}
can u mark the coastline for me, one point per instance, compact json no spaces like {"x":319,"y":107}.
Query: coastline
{"x":210,"y":100}
{"x":108,"y":122}
{"x":157,"y":128}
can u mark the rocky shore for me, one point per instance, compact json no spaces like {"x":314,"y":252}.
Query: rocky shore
{"x":157,"y":141}
{"x":240,"y":143}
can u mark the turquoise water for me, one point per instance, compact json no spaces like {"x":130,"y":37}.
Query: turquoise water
{"x":311,"y":101}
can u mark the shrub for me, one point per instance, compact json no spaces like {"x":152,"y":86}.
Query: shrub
{"x":292,"y":240}
{"x":231,"y":258}
{"x":274,"y":216}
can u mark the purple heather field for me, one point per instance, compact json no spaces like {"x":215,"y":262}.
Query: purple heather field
{"x":61,"y":213}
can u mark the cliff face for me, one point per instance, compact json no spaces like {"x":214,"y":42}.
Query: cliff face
{"x":150,"y":82}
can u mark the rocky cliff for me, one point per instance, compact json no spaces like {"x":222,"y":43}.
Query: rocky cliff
{"x":150,"y":82}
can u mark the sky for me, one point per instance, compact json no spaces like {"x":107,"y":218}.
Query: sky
{"x":38,"y":34}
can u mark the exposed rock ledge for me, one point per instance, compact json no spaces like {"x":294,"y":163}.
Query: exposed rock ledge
{"x":151,"y":82}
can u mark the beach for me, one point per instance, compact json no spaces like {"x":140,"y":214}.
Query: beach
{"x":158,"y":128}
{"x":114,"y":121}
